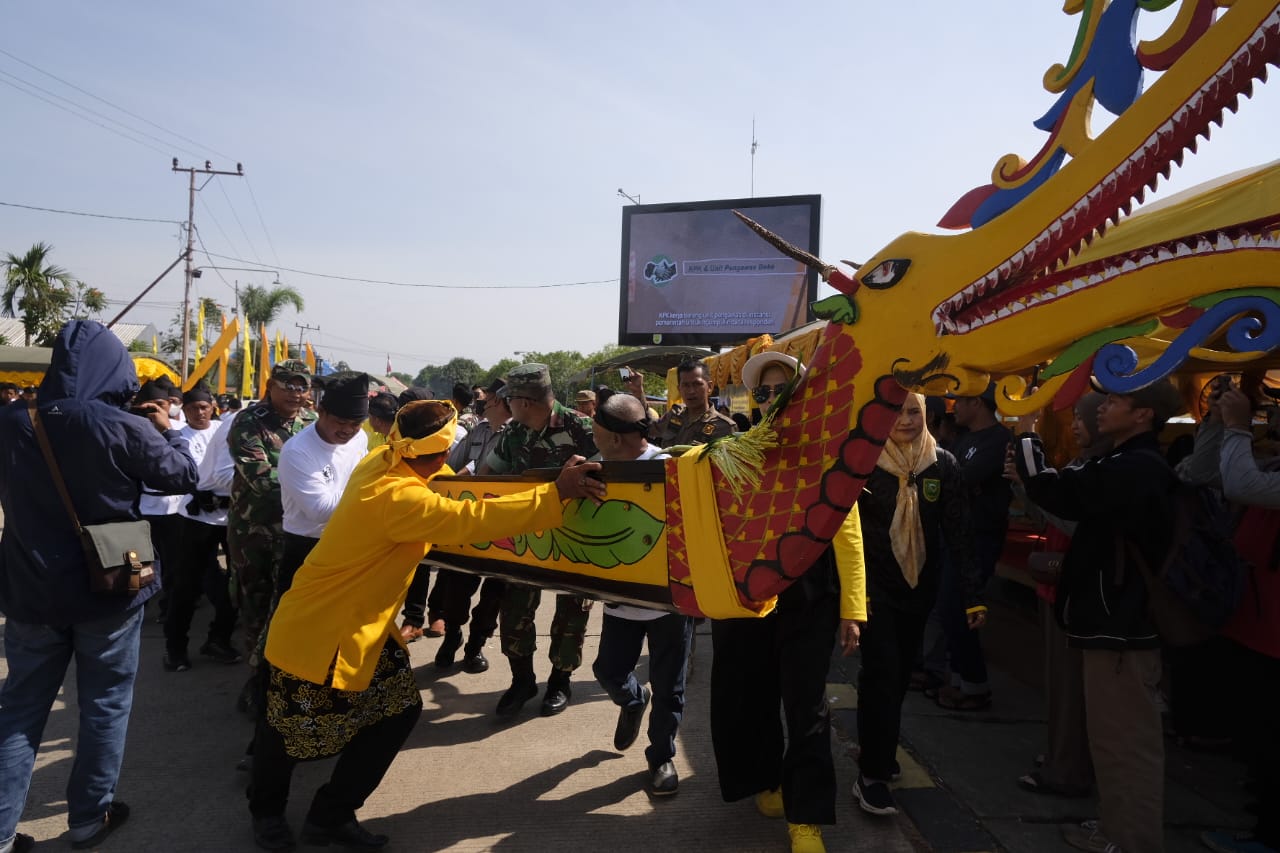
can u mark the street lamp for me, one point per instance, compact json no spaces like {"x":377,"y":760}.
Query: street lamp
{"x":634,"y":199}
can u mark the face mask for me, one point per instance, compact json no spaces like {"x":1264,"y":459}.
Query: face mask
{"x":175,"y":411}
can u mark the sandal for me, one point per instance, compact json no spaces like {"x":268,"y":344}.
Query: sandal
{"x":1037,"y":784}
{"x":954,"y":700}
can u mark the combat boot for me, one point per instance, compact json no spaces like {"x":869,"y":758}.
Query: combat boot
{"x":524,"y":686}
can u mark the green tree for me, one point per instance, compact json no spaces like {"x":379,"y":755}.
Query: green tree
{"x":426,"y":376}
{"x":260,"y":306}
{"x":406,"y":378}
{"x":40,"y":290}
{"x":499,"y":371}
{"x":86,"y":302}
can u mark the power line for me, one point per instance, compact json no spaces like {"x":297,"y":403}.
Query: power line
{"x":82,"y":213}
{"x":249,"y":185}
{"x":114,"y":106}
{"x":85,"y":118}
{"x":252,"y":248}
{"x":417,"y":284}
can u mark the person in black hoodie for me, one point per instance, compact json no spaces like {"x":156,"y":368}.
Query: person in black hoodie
{"x":1121,"y":501}
{"x":105,"y":453}
{"x":914,"y":508}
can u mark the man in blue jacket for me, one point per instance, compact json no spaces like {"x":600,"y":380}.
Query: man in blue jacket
{"x":105,"y":453}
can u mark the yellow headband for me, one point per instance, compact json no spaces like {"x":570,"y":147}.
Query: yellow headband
{"x":438,"y":442}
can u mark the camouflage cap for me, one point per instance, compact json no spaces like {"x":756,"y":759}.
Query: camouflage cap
{"x":290,"y":367}
{"x":529,"y":380}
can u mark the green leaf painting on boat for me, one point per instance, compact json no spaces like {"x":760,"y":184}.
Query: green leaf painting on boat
{"x":612,"y":534}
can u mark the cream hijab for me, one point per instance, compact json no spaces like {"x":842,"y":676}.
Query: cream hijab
{"x":905,"y":461}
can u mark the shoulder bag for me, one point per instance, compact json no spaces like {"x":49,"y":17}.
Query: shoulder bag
{"x":118,"y":554}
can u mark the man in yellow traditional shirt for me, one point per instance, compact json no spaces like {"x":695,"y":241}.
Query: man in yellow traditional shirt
{"x":338,"y":680}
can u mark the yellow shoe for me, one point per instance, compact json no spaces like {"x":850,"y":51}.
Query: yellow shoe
{"x":769,"y":803}
{"x":806,"y":838}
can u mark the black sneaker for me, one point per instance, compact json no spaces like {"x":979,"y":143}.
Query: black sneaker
{"x":874,"y":797}
{"x":273,"y":833}
{"x":629,"y":720}
{"x":23,"y":843}
{"x":517,"y":694}
{"x":446,"y":654}
{"x":176,"y":662}
{"x":663,"y":780}
{"x":220,"y":652}
{"x":350,"y":835}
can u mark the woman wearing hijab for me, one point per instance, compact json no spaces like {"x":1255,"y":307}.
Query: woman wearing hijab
{"x":913,"y":507}
{"x":338,"y":680}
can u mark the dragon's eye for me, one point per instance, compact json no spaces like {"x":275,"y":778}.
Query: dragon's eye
{"x":887,"y":274}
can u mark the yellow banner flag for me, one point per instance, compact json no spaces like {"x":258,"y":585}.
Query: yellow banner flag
{"x":226,"y":358}
{"x":282,"y":348}
{"x":264,"y":362}
{"x":311,"y":359}
{"x":246,"y":366}
{"x":155,"y":345}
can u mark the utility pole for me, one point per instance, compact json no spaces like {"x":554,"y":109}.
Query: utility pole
{"x":303,"y":327}
{"x":191,"y":235}
{"x":754,"y":145}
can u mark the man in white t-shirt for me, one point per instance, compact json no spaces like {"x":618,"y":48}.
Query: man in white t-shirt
{"x":619,"y":426}
{"x":160,"y":509}
{"x":203,"y":528}
{"x":316,"y":464}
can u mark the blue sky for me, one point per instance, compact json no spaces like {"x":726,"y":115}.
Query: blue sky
{"x":483,"y":144}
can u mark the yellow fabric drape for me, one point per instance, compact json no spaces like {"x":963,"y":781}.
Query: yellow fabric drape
{"x":713,"y":584}
{"x":217,"y":352}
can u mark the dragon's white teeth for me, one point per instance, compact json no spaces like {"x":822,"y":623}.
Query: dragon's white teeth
{"x":1182,"y":250}
{"x":1004,"y":270}
{"x":1223,"y":243}
{"x":1163,"y":254}
{"x":1203,"y":246}
{"x":1128,"y":265}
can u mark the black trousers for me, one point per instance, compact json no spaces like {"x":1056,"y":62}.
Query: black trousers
{"x":359,"y":770}
{"x":890,"y":643}
{"x":1253,"y":696}
{"x":165,"y":539}
{"x":759,"y":664}
{"x":459,"y":587}
{"x":196,"y":570}
{"x":296,"y":549}
{"x":419,"y":607}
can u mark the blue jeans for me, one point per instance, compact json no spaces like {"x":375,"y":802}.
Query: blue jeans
{"x":669,"y":637}
{"x":106,"y":654}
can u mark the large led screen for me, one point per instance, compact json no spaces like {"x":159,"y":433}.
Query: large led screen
{"x":695,"y":274}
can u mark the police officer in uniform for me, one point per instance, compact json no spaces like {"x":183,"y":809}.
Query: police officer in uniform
{"x":697,"y":421}
{"x":542,"y":434}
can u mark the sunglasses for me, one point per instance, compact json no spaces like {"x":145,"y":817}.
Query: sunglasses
{"x":293,"y":387}
{"x":765,"y":393}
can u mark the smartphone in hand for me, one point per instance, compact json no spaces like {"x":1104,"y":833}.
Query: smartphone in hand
{"x":626,"y":373}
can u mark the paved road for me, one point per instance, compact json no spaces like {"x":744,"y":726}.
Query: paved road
{"x":462,"y":782}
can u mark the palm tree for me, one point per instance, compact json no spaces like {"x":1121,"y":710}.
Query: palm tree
{"x":45,"y":289}
{"x":260,"y":306}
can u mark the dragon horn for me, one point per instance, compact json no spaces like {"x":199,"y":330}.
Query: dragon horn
{"x":794,"y":252}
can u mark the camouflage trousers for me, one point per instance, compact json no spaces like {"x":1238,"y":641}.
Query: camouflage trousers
{"x":253,"y":558}
{"x":568,"y":627}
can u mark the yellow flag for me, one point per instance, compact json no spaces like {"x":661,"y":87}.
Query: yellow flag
{"x":311,"y":359}
{"x":226,"y":357}
{"x":282,"y":348}
{"x":264,"y":362}
{"x":155,"y":345}
{"x":246,"y":370}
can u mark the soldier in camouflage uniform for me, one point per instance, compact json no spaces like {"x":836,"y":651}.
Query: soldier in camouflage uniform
{"x":697,"y":421}
{"x":541,"y":434}
{"x":255,"y":538}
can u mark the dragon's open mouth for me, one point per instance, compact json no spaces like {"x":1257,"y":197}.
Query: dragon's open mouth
{"x":1037,"y":272}
{"x":1041,"y":290}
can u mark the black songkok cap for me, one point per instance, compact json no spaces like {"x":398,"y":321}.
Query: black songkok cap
{"x":198,"y":394}
{"x":346,"y":395}
{"x":151,"y":390}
